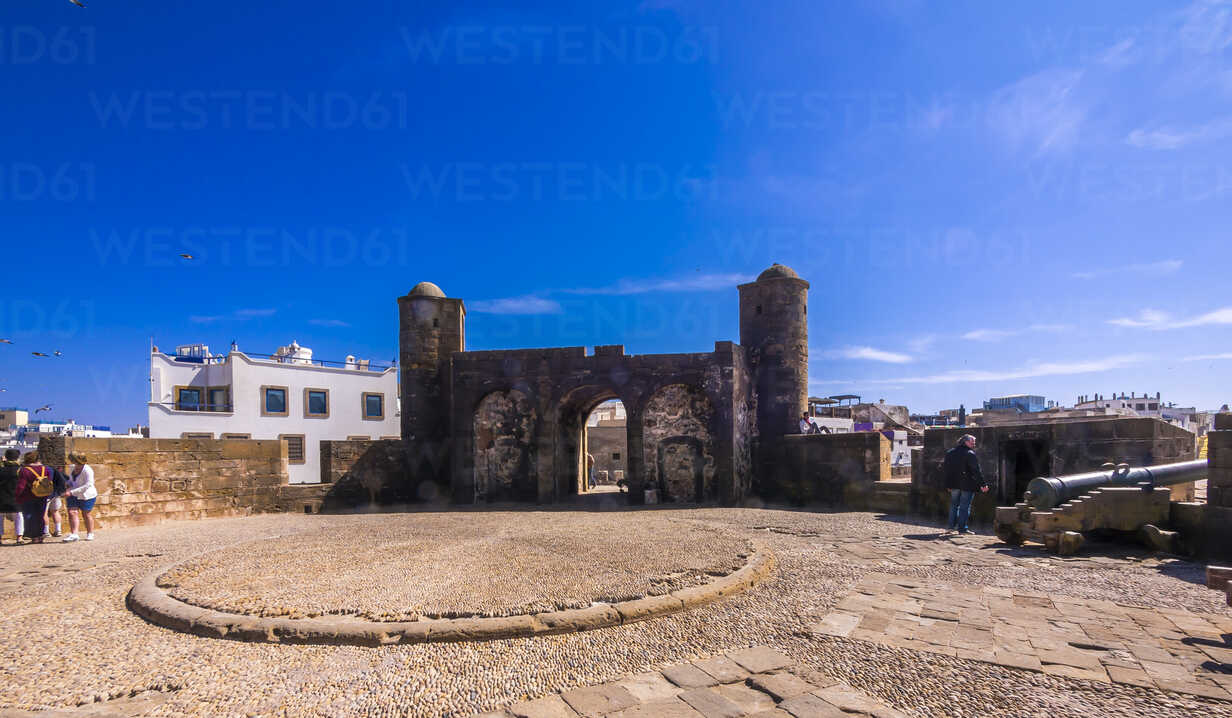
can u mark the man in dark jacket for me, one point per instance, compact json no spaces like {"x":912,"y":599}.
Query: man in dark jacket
{"x":963,"y":478}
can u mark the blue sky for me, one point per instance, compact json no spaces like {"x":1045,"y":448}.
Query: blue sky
{"x":988,"y":198}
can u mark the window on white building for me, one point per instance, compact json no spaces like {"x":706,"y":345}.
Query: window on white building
{"x":273,"y":401}
{"x":236,"y":436}
{"x":218,"y":398}
{"x":373,"y":405}
{"x":188,"y":398}
{"x":195,"y":435}
{"x":316,"y":403}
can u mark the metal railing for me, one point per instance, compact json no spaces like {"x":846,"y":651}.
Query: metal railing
{"x":357,"y":365}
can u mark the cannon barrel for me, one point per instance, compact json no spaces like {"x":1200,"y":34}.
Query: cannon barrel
{"x":1046,"y":492}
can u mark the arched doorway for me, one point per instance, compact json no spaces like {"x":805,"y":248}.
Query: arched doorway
{"x":504,"y":426}
{"x":605,"y":440}
{"x":581,"y":412}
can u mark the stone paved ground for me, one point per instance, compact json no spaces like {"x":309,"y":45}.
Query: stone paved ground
{"x":759,"y":682}
{"x":1097,"y":640}
{"x":67,"y":636}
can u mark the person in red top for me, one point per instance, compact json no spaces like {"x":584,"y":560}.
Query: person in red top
{"x":32,"y":505}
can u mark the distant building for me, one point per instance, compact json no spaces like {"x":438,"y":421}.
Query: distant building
{"x":287,"y":395}
{"x":1146,"y":405}
{"x":1025,"y":403}
{"x":11,"y":416}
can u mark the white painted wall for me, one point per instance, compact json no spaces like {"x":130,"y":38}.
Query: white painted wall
{"x":245,"y":377}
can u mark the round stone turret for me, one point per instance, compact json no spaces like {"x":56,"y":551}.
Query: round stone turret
{"x":774,"y":330}
{"x":431,"y":327}
{"x":778,"y":271}
{"x":426,"y":289}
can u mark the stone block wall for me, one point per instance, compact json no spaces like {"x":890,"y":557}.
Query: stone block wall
{"x":144,"y":481}
{"x":362,"y":475}
{"x":836,"y":469}
{"x":1219,"y":459}
{"x":1217,"y":519}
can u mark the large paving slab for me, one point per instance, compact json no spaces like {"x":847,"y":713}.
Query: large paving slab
{"x":773,"y":684}
{"x":1169,"y":649}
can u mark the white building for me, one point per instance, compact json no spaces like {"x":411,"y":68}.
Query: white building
{"x":1144,"y":405}
{"x":287,"y":395}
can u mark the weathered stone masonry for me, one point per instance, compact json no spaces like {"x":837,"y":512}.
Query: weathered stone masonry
{"x":510,"y":424}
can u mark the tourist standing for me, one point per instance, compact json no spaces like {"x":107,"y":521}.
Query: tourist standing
{"x":590,"y":470}
{"x":8,"y":494}
{"x":963,"y":478}
{"x":81,"y":494}
{"x":35,"y":483}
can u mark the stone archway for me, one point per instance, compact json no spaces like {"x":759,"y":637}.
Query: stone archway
{"x":678,"y":444}
{"x":504,"y":426}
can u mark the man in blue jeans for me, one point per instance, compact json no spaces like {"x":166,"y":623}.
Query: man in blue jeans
{"x":963,"y":478}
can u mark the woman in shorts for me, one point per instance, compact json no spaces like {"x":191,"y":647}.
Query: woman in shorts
{"x":81,"y":495}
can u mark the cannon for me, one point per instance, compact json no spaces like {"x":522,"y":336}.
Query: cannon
{"x":1058,"y":511}
{"x":1047,"y":492}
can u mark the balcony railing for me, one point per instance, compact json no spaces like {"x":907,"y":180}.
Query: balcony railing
{"x":357,"y":365}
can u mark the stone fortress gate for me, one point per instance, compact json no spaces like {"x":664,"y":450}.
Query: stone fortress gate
{"x":509,"y":425}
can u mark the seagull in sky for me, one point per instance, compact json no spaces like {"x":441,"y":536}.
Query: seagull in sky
{"x":45,"y":407}
{"x":186,"y":256}
{"x":58,"y":353}
{"x":6,"y":341}
{"x":78,"y":3}
{"x":39,"y":354}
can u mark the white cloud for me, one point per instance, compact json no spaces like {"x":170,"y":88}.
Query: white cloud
{"x":699,"y":283}
{"x":1167,"y":266}
{"x":1208,"y":357}
{"x":198,"y":319}
{"x":329,"y":322}
{"x":992,"y":335}
{"x":1030,"y":371}
{"x":1146,"y":318}
{"x":250,"y":313}
{"x":1039,"y":112}
{"x":1219,"y":316}
{"x":1171,"y":138}
{"x":517,"y":305}
{"x":868,"y":353}
{"x":1155,"y":319}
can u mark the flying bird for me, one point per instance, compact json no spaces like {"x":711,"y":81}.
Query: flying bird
{"x":39,"y":354}
{"x":45,"y":407}
{"x":78,"y":3}
{"x":6,"y":341}
{"x":58,"y":353}
{"x":186,"y":256}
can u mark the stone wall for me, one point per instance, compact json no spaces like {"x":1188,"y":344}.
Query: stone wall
{"x":365,"y":474}
{"x":143,"y":481}
{"x":1064,"y":447}
{"x":1217,"y":518}
{"x":504,"y":428}
{"x":835,"y":469}
{"x":678,"y":444}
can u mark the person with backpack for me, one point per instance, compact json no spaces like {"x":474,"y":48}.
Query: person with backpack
{"x":8,"y":494}
{"x":35,"y":484}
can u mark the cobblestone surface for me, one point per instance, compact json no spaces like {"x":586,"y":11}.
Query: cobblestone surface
{"x":460,"y":565}
{"x":69,"y":638}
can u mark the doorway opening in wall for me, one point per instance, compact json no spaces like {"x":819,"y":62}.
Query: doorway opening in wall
{"x":605,"y":454}
{"x":1023,"y":460}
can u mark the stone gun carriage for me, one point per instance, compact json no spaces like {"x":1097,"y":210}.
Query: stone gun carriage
{"x":1058,"y":511}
